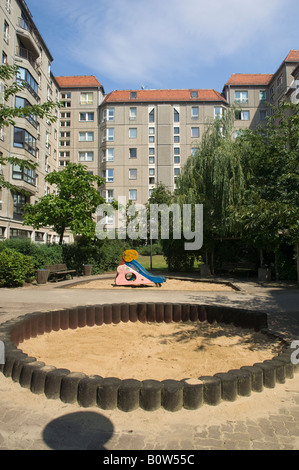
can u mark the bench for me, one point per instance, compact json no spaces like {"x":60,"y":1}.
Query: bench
{"x":59,"y":270}
{"x":238,"y":266}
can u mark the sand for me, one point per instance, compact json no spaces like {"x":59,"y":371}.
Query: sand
{"x":170,"y":284}
{"x":152,"y":350}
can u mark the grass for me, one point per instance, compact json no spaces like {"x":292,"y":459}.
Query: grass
{"x":158,"y":263}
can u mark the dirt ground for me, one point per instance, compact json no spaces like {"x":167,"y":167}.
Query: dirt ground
{"x":170,"y":284}
{"x":152,"y":350}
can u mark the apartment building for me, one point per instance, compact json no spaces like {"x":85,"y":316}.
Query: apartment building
{"x":30,"y":138}
{"x":79,"y":121}
{"x":147,"y":136}
{"x":251,"y":94}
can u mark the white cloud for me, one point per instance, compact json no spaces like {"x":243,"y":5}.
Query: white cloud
{"x":141,"y":41}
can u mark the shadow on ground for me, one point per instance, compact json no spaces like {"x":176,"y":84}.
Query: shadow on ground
{"x":83,"y":430}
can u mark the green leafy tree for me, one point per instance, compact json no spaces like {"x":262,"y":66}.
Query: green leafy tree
{"x":270,"y":159}
{"x":214,"y":177}
{"x":73,"y":205}
{"x":12,"y":85}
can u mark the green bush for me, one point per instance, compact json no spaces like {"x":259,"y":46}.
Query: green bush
{"x":15,"y":268}
{"x":41,"y":254}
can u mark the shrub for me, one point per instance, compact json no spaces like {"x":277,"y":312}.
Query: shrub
{"x":15,"y":268}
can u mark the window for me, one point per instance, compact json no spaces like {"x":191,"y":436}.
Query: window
{"x":25,"y":78}
{"x":19,"y":200}
{"x":151,"y":130}
{"x":151,"y":171}
{"x":108,"y":175}
{"x":194,"y":94}
{"x":65,"y":123}
{"x":241,"y":96}
{"x":218,"y":112}
{"x":85,"y":156}
{"x":23,"y":174}
{"x":194,"y":151}
{"x":177,"y":159}
{"x":133,"y":114}
{"x":176,"y":115}
{"x":242,"y":115}
{"x":132,"y":174}
{"x":4,"y":58}
{"x":133,"y":153}
{"x":66,"y":104}
{"x":110,"y":155}
{"x":151,"y":160}
{"x":108,"y":114}
{"x":194,"y":112}
{"x":262,"y":95}
{"x":151,"y":139}
{"x":151,"y":151}
{"x":86,"y":98}
{"x":195,"y":132}
{"x":23,"y":103}
{"x":65,"y":134}
{"x":86,"y":136}
{"x":65,"y":115}
{"x":65,"y":96}
{"x":23,"y":139}
{"x":279,"y":82}
{"x":108,"y":134}
{"x":151,"y":116}
{"x":6,"y":32}
{"x":133,"y":94}
{"x":176,"y":131}
{"x":133,"y":194}
{"x":109,"y":195}
{"x":64,"y":143}
{"x":86,"y":116}
{"x":132,"y":133}
{"x":176,"y":150}
{"x":263,"y":115}
{"x":64,"y":154}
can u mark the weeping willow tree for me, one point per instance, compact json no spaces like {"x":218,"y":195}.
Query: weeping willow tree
{"x":214,"y":177}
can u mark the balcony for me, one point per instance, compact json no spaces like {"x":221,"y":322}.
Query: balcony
{"x":27,"y":55}
{"x":28,"y":36}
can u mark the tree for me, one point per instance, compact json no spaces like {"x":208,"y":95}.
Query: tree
{"x":72,"y":206}
{"x":214,"y":177}
{"x":8,"y":114}
{"x":270,"y":159}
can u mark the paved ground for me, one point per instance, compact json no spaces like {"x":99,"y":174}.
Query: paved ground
{"x":267,"y":420}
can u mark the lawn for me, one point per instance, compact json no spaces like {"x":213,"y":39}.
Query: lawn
{"x":158,"y":262}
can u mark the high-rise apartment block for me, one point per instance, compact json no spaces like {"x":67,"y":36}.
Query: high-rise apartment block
{"x":134,"y":139}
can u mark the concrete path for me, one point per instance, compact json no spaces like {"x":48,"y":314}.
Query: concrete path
{"x":267,"y":420}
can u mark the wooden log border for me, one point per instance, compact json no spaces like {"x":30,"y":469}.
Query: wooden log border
{"x":127,"y":395}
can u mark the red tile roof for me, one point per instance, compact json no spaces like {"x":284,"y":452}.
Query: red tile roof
{"x":293,"y":56}
{"x":86,"y":81}
{"x":119,"y":96}
{"x":250,"y":79}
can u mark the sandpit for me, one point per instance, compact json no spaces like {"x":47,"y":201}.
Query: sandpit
{"x":170,"y":284}
{"x":153,"y":350}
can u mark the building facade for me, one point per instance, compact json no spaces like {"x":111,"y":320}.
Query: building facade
{"x":134,"y":139}
{"x":147,"y":136}
{"x":30,"y":138}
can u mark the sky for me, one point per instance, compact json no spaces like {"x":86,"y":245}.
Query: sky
{"x":166,"y":44}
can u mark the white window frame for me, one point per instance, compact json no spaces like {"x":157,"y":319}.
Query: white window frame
{"x":86,"y":136}
{"x":86,"y":97}
{"x":86,"y":156}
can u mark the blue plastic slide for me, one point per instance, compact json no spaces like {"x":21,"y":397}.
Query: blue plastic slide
{"x":140,"y":269}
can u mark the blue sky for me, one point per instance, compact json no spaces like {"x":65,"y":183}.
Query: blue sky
{"x":166,"y":43}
